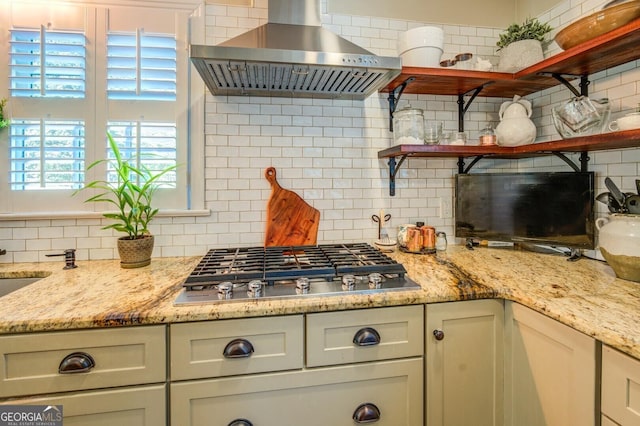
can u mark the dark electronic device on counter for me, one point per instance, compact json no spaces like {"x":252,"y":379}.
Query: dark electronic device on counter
{"x":549,"y":208}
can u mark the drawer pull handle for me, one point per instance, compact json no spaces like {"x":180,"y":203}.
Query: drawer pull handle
{"x":438,"y":334}
{"x":366,"y":413}
{"x":238,"y":348}
{"x":366,"y":337}
{"x":77,"y":362}
{"x":240,"y":422}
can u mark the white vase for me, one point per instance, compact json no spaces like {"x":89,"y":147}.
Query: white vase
{"x":619,"y":241}
{"x":515,"y":127}
{"x":519,"y":55}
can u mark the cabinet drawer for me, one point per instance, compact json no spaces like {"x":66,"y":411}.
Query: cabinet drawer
{"x":197,"y":349}
{"x":133,"y":406}
{"x":620,"y":387}
{"x":30,"y":363}
{"x":322,"y":397}
{"x":331,"y":336}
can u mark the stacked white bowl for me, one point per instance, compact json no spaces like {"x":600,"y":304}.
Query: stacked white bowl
{"x":421,"y":46}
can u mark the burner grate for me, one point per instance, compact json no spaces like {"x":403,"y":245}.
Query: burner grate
{"x":238,"y":264}
{"x":287,"y":263}
{"x":361,"y":259}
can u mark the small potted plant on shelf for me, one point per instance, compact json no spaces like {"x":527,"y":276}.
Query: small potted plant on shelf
{"x":3,"y":121}
{"x":520,"y":45}
{"x":131,"y":195}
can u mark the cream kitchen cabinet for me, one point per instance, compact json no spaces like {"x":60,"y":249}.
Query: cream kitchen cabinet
{"x":464,"y":363}
{"x":384,"y":333}
{"x":620,"y":388}
{"x":127,"y":406}
{"x":101,"y":376}
{"x":360,"y":366}
{"x":549,"y":371}
{"x":239,"y":346}
{"x":388,"y":390}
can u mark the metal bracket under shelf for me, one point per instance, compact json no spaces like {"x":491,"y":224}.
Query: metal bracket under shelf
{"x":463,"y":107}
{"x":393,"y":171}
{"x":584,"y":83}
{"x":584,"y":161}
{"x":394,"y":98}
{"x":394,"y":168}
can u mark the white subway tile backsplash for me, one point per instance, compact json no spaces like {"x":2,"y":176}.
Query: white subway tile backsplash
{"x":326,"y":150}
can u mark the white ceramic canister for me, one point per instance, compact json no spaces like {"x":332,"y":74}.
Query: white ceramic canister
{"x":619,"y":241}
{"x":421,"y":46}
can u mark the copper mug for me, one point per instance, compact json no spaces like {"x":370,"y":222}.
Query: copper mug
{"x":428,"y":237}
{"x":414,"y":239}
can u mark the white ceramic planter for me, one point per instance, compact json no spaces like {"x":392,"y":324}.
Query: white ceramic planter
{"x":519,"y":55}
{"x":619,"y":241}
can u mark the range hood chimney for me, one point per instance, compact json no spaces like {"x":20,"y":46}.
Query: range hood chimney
{"x":293,"y":56}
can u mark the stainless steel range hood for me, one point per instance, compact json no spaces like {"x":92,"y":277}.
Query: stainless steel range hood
{"x":293,"y":56}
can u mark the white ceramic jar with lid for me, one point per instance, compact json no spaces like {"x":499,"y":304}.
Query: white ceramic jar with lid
{"x":408,"y":126}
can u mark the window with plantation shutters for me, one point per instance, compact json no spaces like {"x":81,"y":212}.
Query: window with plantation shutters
{"x":47,"y":63}
{"x":148,"y":145}
{"x":141,"y":66}
{"x":46,"y":154}
{"x":79,"y":69}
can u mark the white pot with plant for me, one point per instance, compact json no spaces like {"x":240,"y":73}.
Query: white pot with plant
{"x":131,"y":195}
{"x":520,"y":46}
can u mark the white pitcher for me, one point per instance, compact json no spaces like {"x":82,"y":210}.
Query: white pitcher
{"x":619,"y":241}
{"x":516,"y":127}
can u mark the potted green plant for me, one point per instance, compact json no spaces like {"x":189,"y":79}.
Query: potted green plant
{"x":132,"y":196}
{"x":520,"y":45}
{"x":3,"y":121}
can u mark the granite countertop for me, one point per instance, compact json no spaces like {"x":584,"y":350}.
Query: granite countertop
{"x":585,"y":294}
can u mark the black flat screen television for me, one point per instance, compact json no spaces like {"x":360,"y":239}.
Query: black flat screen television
{"x":554,"y":208}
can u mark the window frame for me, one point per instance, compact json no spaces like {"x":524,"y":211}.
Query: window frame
{"x":190,"y":106}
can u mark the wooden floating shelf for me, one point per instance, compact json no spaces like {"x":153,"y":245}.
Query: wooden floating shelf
{"x":606,"y":141}
{"x":603,"y":52}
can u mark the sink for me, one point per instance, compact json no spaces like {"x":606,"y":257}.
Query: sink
{"x":8,"y":285}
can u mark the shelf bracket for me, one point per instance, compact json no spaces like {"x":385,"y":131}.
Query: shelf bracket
{"x":394,"y":98}
{"x":393,"y":171}
{"x":584,"y":161}
{"x":584,"y":84}
{"x":463,"y":107}
{"x":461,"y":165}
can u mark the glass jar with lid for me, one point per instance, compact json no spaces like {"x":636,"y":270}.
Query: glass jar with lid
{"x":487,"y":136}
{"x":408,"y":126}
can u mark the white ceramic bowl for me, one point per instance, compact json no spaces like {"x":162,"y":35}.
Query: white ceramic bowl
{"x":421,"y":37}
{"x":422,"y":57}
{"x":386,"y":247}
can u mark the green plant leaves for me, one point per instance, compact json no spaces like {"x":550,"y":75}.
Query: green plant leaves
{"x":131,"y":199}
{"x":531,"y":29}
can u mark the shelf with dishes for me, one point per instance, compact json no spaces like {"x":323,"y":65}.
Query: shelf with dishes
{"x":584,"y":144}
{"x":608,"y":50}
{"x":605,"y":51}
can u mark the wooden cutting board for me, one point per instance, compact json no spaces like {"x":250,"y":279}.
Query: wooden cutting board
{"x":290,"y":220}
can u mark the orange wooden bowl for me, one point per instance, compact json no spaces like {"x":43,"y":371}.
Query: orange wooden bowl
{"x":598,"y":23}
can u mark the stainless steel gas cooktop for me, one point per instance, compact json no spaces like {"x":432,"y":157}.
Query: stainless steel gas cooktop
{"x":241,"y":274}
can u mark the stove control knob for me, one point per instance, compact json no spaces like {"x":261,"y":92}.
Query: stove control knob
{"x":225,"y":291}
{"x":375,"y":280}
{"x":349,"y":282}
{"x":255,"y":289}
{"x":302,"y":285}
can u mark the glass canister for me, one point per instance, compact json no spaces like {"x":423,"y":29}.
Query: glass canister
{"x":487,"y":136}
{"x":408,"y":126}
